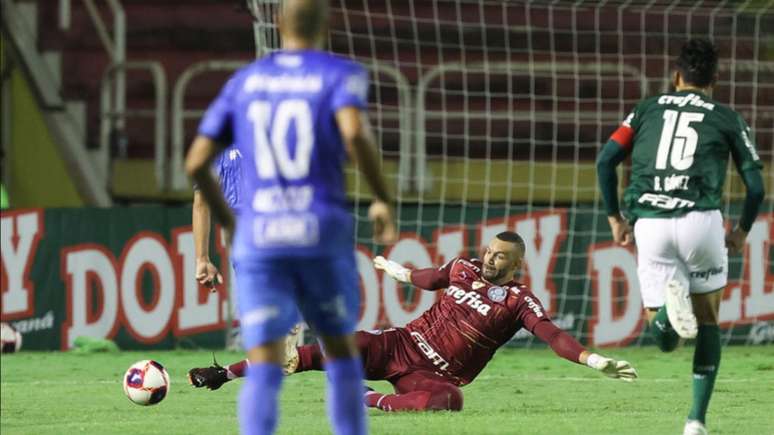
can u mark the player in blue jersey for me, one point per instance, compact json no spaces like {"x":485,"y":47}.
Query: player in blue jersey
{"x":295,"y":116}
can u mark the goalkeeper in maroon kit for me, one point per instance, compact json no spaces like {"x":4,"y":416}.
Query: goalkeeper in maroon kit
{"x":427,"y":361}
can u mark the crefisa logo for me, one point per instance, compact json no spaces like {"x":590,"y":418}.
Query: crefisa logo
{"x":471,"y":299}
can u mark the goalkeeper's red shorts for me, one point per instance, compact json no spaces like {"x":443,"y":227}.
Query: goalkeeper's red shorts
{"x":392,"y":354}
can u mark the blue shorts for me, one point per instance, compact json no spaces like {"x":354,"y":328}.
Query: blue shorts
{"x":271,"y":292}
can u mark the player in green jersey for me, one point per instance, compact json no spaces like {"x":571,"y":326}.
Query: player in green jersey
{"x":680,"y":144}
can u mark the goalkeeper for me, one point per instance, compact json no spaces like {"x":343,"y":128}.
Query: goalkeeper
{"x":680,"y":143}
{"x":481,"y":308}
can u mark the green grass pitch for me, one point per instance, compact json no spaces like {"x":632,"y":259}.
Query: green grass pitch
{"x":520,"y":392}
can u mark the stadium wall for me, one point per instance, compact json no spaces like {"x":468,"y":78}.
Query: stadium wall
{"x":37,"y":176}
{"x":127,"y":274}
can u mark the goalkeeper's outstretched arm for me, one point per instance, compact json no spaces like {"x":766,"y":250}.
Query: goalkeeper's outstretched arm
{"x":567,"y":347}
{"x":430,"y":278}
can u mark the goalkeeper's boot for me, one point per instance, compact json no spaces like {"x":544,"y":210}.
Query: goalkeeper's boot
{"x":291,"y":351}
{"x":211,"y":377}
{"x":680,"y":310}
{"x":694,"y":427}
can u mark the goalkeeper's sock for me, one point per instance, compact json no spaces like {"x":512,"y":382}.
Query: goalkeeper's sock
{"x":413,"y":401}
{"x":310,"y":357}
{"x":345,"y":391}
{"x":236,"y":370}
{"x":373,"y":398}
{"x":258,"y":399}
{"x":706,"y":359}
{"x":662,"y":331}
{"x":438,"y":397}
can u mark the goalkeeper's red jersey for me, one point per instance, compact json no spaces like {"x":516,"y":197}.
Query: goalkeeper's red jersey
{"x":461,"y":332}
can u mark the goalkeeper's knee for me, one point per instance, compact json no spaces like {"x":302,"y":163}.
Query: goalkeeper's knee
{"x":445,"y":398}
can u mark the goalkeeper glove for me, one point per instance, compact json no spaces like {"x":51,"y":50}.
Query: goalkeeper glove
{"x":611,"y":368}
{"x":395,"y":270}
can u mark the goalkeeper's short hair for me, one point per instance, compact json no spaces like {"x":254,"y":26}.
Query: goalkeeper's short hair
{"x":510,"y":236}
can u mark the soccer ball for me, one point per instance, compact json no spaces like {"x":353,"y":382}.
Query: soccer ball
{"x":10,"y":338}
{"x":146,"y":382}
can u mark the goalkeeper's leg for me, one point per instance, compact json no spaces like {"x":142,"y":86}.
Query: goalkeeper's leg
{"x":706,"y":355}
{"x":373,"y":348}
{"x":214,"y":376}
{"x":298,"y":359}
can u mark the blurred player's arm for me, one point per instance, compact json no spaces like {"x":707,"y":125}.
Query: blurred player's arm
{"x":610,"y":156}
{"x":360,"y":145}
{"x":197,"y":166}
{"x":206,"y":272}
{"x":215,"y":131}
{"x":749,"y":166}
{"x":430,"y":278}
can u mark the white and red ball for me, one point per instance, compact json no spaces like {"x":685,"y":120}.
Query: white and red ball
{"x":10,"y":338}
{"x":146,"y":382}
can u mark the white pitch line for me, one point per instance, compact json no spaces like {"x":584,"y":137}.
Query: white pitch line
{"x":60,"y":383}
{"x":515,"y":380}
{"x":602,"y":379}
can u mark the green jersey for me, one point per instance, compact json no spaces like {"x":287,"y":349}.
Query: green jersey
{"x":680,"y":143}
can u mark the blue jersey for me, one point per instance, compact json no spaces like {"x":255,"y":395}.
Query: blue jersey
{"x":280,"y":114}
{"x":228,"y":168}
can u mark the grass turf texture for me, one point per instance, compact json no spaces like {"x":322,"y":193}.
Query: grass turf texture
{"x":520,"y":392}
